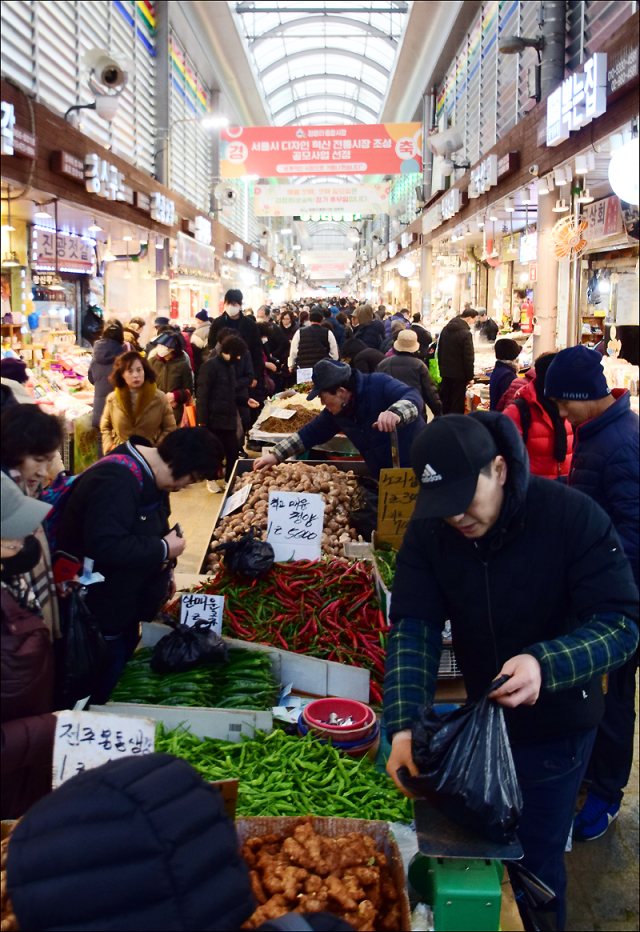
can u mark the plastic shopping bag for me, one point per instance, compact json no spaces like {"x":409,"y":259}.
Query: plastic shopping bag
{"x":466,"y":767}
{"x":83,"y":653}
{"x":188,"y":647}
{"x":248,"y":556}
{"x":188,"y":416}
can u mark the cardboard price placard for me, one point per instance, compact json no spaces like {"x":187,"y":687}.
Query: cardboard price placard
{"x":196,"y":606}
{"x":304,"y":375}
{"x":396,"y":501}
{"x":295,"y":525}
{"x":85,"y":740}
{"x":237,"y":500}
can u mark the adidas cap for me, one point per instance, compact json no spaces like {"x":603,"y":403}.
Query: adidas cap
{"x":447,"y":457}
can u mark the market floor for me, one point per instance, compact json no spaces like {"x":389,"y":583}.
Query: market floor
{"x":603,"y":874}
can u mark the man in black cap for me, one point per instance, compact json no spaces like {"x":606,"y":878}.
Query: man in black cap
{"x":480,"y":520}
{"x":232,"y":318}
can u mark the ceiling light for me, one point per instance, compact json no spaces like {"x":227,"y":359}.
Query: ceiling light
{"x":94,"y":228}
{"x":481,"y":222}
{"x":128,"y":236}
{"x":585,"y":163}
{"x":509,"y":205}
{"x":623,"y":172}
{"x":585,"y":197}
{"x":563,"y":175}
{"x":526,"y":196}
{"x":43,"y":213}
{"x":561,"y":206}
{"x":286,"y":232}
{"x":545,"y":185}
{"x":493,"y":216}
{"x":8,"y":227}
{"x":159,"y":242}
{"x":467,"y":231}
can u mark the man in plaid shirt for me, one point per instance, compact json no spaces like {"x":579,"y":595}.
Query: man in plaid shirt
{"x":536,"y":585}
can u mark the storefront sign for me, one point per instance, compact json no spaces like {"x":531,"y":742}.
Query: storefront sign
{"x":533,"y":272}
{"x":163,"y":210}
{"x":604,"y":218}
{"x":15,"y":141}
{"x":325,"y":263}
{"x":193,"y":256}
{"x":623,"y":67}
{"x":432,"y":218}
{"x":142,"y":201}
{"x":486,"y":174}
{"x":75,"y":253}
{"x":254,"y":260}
{"x":63,"y":163}
{"x":451,"y":203}
{"x":528,"y":248}
{"x":203,"y":230}
{"x":393,"y":248}
{"x":280,"y":200}
{"x":407,"y":239}
{"x":577,"y":100}
{"x":268,"y":151}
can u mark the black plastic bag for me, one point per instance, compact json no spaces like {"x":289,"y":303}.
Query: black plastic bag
{"x":536,"y":901}
{"x":188,"y":647}
{"x":92,"y":324}
{"x":248,"y":556}
{"x":466,"y":767}
{"x":363,"y":510}
{"x":83,"y":654}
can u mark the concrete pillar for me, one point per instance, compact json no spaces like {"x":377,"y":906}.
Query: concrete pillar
{"x":546,"y":309}
{"x":426,"y":275}
{"x":161,"y":9}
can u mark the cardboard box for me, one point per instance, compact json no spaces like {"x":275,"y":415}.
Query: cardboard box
{"x":333,"y":828}
{"x":229,"y":792}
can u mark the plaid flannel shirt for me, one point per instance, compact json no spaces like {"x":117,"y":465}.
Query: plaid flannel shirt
{"x":602,"y":643}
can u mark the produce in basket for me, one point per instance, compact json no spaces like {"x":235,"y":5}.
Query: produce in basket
{"x":299,"y":871}
{"x":283,"y":775}
{"x":325,"y":609}
{"x":335,"y":487}
{"x":278,"y":425}
{"x":244,"y":682}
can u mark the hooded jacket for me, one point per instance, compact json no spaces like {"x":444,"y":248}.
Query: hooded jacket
{"x":494,"y":610}
{"x":217,"y":395}
{"x":367,"y":360}
{"x":370,"y":334}
{"x":605,"y":467}
{"x":541,"y":436}
{"x":455,"y":351}
{"x":105,"y":353}
{"x":412,"y":371}
{"x":152,"y":417}
{"x":174,"y":377}
{"x":246,"y":328}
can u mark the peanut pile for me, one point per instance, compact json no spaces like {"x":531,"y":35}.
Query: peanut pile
{"x":335,"y":487}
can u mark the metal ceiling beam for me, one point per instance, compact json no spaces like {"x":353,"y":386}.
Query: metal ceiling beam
{"x":248,"y":6}
{"x":328,"y":50}
{"x":323,"y":18}
{"x":302,"y":100}
{"x":328,"y":77}
{"x":333,"y":113}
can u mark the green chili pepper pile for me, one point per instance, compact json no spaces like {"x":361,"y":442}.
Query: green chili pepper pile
{"x":327,"y":609}
{"x":244,"y":682}
{"x":386,"y":561}
{"x":281,"y":775}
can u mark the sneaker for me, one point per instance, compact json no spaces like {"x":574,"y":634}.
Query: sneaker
{"x":212,"y":486}
{"x":594,"y":818}
{"x":222,"y":485}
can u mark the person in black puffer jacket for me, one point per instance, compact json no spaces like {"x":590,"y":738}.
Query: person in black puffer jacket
{"x":370,"y":329}
{"x":242,"y":325}
{"x":166,"y":856}
{"x":405,"y":366}
{"x":456,"y":361}
{"x":360,"y":356}
{"x":105,"y":351}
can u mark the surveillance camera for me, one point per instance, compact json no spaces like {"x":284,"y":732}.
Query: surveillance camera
{"x":107,"y":106}
{"x":533,"y":169}
{"x":225,"y":193}
{"x":106,"y":70}
{"x":450,"y":140}
{"x":446,"y":167}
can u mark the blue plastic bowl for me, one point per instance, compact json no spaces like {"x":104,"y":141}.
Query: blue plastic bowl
{"x":343,"y":746}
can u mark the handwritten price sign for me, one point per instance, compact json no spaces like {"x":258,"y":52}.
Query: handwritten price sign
{"x":195,"y":607}
{"x":85,"y":740}
{"x":295,"y":525}
{"x":396,"y":501}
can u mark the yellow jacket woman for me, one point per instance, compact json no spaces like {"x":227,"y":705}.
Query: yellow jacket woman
{"x":136,"y":406}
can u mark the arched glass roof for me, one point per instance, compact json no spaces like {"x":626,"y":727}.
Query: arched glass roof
{"x":323,"y":63}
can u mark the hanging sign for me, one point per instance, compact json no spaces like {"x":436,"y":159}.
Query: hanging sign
{"x":74,"y":253}
{"x":398,"y":493}
{"x":269,"y":151}
{"x":294,"y":527}
{"x":84,"y":740}
{"x":195,"y":257}
{"x":528,"y":248}
{"x":604,"y":217}
{"x":16,"y":141}
{"x":283,"y":200}
{"x":580,"y":98}
{"x":199,"y":607}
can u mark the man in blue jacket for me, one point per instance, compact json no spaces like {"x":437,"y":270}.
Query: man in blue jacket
{"x":605,"y":466}
{"x":363,"y":407}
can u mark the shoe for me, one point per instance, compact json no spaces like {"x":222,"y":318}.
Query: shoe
{"x":222,"y":485}
{"x":594,"y":818}
{"x":212,"y":486}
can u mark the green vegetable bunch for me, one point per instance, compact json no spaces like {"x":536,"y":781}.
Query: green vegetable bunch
{"x":283,"y":775}
{"x":386,"y":560}
{"x":244,"y":682}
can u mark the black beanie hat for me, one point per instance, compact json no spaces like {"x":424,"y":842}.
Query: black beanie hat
{"x":139,"y":843}
{"x":507,"y":349}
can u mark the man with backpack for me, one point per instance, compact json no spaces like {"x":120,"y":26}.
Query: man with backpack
{"x":116,"y":514}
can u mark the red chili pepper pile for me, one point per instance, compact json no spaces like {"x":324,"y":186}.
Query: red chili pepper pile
{"x":325,"y":609}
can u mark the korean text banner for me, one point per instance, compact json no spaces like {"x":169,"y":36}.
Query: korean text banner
{"x":269,"y":151}
{"x":285,"y":200}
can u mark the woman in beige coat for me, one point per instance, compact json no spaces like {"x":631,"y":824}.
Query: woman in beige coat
{"x":136,"y":406}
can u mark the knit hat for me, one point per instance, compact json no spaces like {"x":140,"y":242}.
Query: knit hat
{"x":507,"y":350}
{"x":139,"y":843}
{"x":202,"y":315}
{"x":161,"y":322}
{"x":326,"y":374}
{"x":14,"y":369}
{"x":576,"y":374}
{"x":406,"y":342}
{"x":21,"y":514}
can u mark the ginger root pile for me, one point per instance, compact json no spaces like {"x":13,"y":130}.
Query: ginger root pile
{"x":335,"y":487}
{"x":302,"y":872}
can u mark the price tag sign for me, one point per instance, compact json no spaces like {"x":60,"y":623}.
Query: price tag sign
{"x":304,"y":375}
{"x":85,"y":740}
{"x":237,"y":500}
{"x":294,"y":526}
{"x":283,"y":413}
{"x":396,"y":501}
{"x":196,"y":606}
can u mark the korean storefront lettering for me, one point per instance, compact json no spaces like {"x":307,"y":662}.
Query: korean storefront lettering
{"x":580,"y":98}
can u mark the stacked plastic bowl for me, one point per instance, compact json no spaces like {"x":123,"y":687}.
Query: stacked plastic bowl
{"x":354,"y":739}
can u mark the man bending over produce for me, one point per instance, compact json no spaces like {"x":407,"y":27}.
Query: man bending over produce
{"x":364,"y":408}
{"x":479,"y":518}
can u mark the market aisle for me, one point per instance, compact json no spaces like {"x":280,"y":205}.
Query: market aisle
{"x":602,"y":893}
{"x":195,"y":509}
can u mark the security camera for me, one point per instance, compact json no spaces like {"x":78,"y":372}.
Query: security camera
{"x":376,"y":239}
{"x":107,"y":106}
{"x":225,"y":193}
{"x":106,"y":70}
{"x":533,"y":170}
{"x":443,"y":144}
{"x":447,"y":166}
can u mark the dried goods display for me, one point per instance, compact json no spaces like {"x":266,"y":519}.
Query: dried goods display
{"x":278,"y":425}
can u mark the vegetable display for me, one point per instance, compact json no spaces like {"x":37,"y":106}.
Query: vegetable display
{"x":300,"y":871}
{"x":283,"y":775}
{"x":327,"y":609}
{"x":386,"y":561}
{"x":303,"y":387}
{"x":335,"y":487}
{"x":244,"y":682}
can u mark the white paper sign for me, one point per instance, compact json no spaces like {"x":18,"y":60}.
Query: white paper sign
{"x":283,"y":413}
{"x":304,"y":375}
{"x":196,"y":606}
{"x":236,"y":500}
{"x":85,"y":740}
{"x":295,"y":525}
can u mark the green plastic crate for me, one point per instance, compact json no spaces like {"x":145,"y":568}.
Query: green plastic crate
{"x":464,"y":894}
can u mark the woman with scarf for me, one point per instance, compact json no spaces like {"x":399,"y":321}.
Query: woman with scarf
{"x":547,"y":437}
{"x":136,"y":406}
{"x":173,"y":372}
